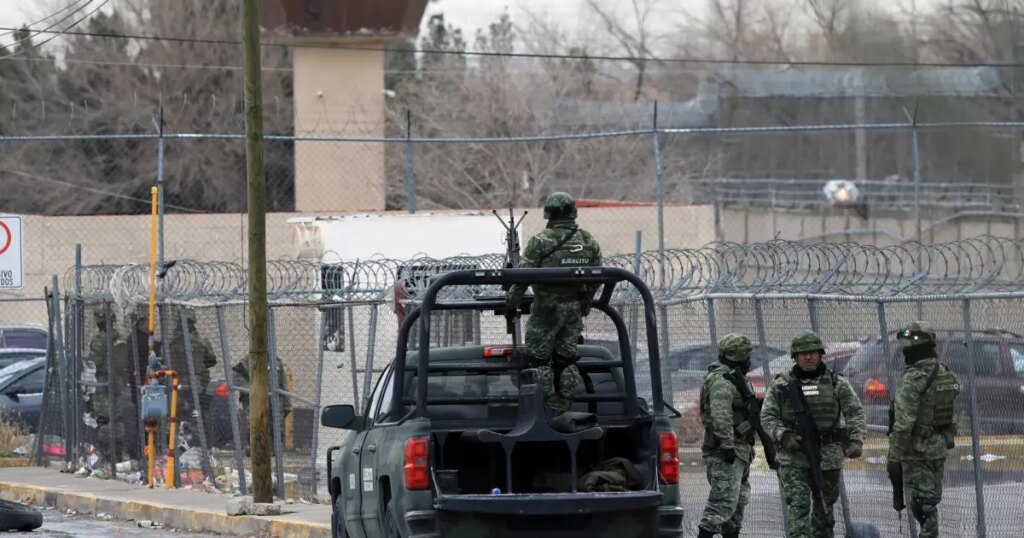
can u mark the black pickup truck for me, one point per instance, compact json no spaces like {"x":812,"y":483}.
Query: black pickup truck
{"x":454,"y":442}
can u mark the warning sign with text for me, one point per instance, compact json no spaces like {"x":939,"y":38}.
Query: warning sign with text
{"x":11,"y":260}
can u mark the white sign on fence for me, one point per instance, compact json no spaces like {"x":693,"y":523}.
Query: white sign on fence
{"x":11,"y":260}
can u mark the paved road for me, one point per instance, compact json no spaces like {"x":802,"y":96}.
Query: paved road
{"x":57,"y":524}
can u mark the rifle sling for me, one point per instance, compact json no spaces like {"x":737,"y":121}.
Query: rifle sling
{"x":558,"y":245}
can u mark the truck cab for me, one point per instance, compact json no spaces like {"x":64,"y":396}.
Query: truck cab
{"x":454,"y":441}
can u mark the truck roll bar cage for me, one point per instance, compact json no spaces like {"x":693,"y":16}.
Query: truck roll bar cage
{"x":609,"y":277}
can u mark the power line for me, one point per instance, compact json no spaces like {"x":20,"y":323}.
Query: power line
{"x":536,"y":55}
{"x":34,"y":33}
{"x":50,"y":16}
{"x":99,"y":191}
{"x":57,"y":33}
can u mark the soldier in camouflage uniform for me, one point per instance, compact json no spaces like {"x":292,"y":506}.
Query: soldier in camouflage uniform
{"x":203,"y":359}
{"x":556,"y":315}
{"x":119,"y":420}
{"x":839,"y":417}
{"x":925,"y":424}
{"x":728,"y":445}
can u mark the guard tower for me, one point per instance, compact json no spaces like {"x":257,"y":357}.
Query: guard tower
{"x":340,"y":92}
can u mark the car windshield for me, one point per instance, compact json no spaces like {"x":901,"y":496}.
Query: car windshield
{"x":12,"y":371}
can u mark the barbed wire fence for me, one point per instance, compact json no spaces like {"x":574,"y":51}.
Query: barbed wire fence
{"x":333,"y":327}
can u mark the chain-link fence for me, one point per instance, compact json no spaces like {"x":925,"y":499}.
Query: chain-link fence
{"x":332,"y":330}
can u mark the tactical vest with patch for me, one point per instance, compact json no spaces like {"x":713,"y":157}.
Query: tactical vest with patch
{"x":574,"y":252}
{"x":937,"y":406}
{"x":822,"y":402}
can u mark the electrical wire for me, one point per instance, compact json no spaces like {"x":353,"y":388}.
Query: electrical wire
{"x":535,"y":55}
{"x":98,"y":191}
{"x":56,"y":34}
{"x":50,"y":16}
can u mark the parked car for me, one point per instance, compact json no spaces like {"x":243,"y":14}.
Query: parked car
{"x":21,"y":391}
{"x":23,"y":335}
{"x":998,"y":357}
{"x":14,"y":355}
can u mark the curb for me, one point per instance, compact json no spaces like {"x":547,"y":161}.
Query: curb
{"x":172,"y":516}
{"x":15,"y":462}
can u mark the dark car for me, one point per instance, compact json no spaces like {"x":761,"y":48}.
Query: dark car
{"x":23,"y":335}
{"x":21,"y":391}
{"x":998,"y":358}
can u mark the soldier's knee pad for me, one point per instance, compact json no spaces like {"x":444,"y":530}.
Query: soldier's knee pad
{"x":923,"y":508}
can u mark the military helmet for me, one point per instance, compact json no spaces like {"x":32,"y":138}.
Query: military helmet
{"x":559,"y":205}
{"x":916,"y":333}
{"x":735,"y":348}
{"x":100,"y":316}
{"x":806,"y":341}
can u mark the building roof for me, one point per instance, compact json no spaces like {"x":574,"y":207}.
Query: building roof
{"x":862,"y":82}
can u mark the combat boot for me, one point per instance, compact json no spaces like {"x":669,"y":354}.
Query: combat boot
{"x":704,"y":533}
{"x":735,"y":534}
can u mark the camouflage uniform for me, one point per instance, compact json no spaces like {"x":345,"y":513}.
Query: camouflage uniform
{"x":556,"y":316}
{"x":925,"y":424}
{"x":203,"y":359}
{"x":839,"y":417}
{"x":119,"y":420}
{"x":240,"y":378}
{"x":728,"y":445}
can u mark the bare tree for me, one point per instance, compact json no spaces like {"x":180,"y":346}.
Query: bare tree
{"x":634,"y":37}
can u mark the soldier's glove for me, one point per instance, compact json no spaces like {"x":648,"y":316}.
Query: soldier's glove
{"x":728,"y":455}
{"x":791,"y":442}
{"x":512,"y":301}
{"x":853,"y":449}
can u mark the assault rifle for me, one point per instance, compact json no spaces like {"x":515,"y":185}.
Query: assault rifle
{"x":512,"y":257}
{"x":752,"y":412}
{"x":895,"y":475}
{"x":808,"y":430}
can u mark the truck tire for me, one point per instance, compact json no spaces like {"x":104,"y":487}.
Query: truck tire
{"x":338,"y":520}
{"x":19,"y":517}
{"x":391,"y":527}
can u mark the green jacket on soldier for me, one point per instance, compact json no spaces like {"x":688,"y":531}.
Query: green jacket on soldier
{"x":721,"y":405}
{"x":925,"y":418}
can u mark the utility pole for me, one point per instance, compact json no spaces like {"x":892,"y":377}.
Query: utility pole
{"x":259,"y":401}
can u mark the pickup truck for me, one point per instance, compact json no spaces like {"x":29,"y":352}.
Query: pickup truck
{"x":455,"y":442}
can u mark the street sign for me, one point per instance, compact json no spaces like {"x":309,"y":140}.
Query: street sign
{"x":12,"y":266}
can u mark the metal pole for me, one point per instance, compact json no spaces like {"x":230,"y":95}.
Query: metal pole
{"x":844,"y":499}
{"x":712,"y":324}
{"x":890,"y":381}
{"x":321,"y":344}
{"x":275,"y":405}
{"x":634,"y":317}
{"x":160,"y":187}
{"x":410,"y":172}
{"x":111,"y":399}
{"x":762,"y":344}
{"x":660,"y":177}
{"x":665,"y":346}
{"x":975,"y":442}
{"x":370,"y":350}
{"x":62,"y":371}
{"x":232,"y":394}
{"x":352,"y":356}
{"x":196,"y":389}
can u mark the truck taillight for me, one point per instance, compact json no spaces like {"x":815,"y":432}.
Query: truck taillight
{"x":876,"y":390}
{"x":417,"y":473}
{"x":498,"y":351}
{"x":668,"y":458}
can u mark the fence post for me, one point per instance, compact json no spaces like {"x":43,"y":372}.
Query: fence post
{"x":196,"y":390}
{"x":62,"y":372}
{"x":844,"y":500}
{"x":410,"y":171}
{"x":275,"y":404}
{"x":634,"y":315}
{"x":111,"y":399}
{"x":160,"y":187}
{"x":712,"y":324}
{"x":890,"y":381}
{"x":360,"y":406}
{"x":975,"y":442}
{"x":762,"y":345}
{"x":321,"y":344}
{"x":660,"y":178}
{"x":236,"y":434}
